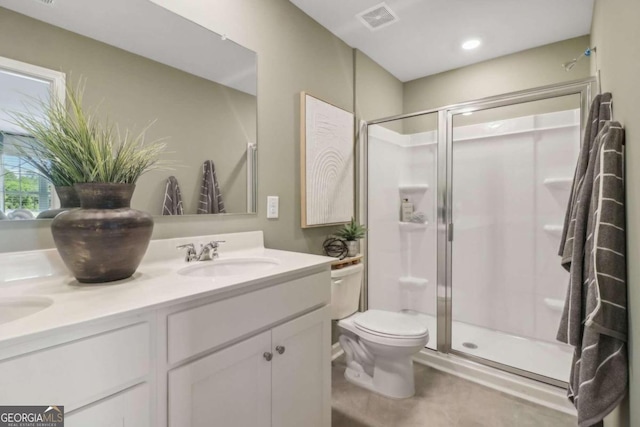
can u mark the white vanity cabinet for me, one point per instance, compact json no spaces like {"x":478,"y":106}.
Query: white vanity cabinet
{"x":165,"y":349}
{"x":280,"y":377}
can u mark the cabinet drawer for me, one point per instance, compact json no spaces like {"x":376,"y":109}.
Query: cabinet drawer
{"x":199,"y":329}
{"x":128,"y":408}
{"x":77,"y":373}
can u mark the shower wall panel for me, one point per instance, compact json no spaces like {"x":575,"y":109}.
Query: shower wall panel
{"x":402,"y":257}
{"x":511,"y":181}
{"x":385,"y":261}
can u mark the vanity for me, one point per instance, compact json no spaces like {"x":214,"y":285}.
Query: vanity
{"x":243,"y":340}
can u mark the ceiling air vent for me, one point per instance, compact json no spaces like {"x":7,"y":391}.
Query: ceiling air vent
{"x":377,"y":17}
{"x":47,"y":2}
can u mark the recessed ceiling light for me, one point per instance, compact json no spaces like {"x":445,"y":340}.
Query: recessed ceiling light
{"x":471,"y":44}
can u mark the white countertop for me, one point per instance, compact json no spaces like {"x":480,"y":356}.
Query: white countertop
{"x":155,"y":284}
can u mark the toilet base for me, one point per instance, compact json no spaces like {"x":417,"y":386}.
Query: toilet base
{"x":381,"y":364}
{"x":359,"y":378}
{"x":394,"y":385}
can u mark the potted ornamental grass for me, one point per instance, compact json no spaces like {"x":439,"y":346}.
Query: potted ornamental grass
{"x":352,"y":232}
{"x":105,"y":239}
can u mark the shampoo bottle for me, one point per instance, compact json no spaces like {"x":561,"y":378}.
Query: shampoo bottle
{"x":406,"y":210}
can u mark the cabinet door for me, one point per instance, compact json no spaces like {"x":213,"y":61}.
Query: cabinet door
{"x":229,"y":388}
{"x":131,"y":408}
{"x":301,"y":375}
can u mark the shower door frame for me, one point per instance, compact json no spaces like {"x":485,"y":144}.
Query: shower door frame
{"x":445,"y":226}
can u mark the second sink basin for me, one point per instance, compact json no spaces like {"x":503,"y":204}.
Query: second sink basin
{"x":19,"y":307}
{"x":229,"y":267}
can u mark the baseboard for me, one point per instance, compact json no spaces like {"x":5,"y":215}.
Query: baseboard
{"x":336,"y":351}
{"x":515,"y":385}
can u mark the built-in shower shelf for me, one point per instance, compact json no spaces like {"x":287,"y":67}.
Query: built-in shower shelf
{"x":412,"y":226}
{"x":559,"y":183}
{"x":554,"y":304}
{"x":555,"y":230}
{"x":413,"y":283}
{"x":413,"y":188}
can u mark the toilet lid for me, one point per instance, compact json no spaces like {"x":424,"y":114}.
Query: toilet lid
{"x":391,"y":323}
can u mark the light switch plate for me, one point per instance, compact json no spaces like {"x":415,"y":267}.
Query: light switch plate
{"x":272,"y":206}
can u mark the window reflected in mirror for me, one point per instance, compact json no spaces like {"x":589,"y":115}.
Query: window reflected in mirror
{"x":24,"y":194}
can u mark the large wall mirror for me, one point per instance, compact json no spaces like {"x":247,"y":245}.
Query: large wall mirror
{"x":141,"y":64}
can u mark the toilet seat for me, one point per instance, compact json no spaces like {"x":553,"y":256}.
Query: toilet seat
{"x":351,"y":324}
{"x":391,"y":324}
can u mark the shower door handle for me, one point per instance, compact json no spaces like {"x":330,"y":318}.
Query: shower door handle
{"x":450,"y":233}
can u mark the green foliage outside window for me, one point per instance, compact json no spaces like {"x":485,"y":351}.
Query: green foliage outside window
{"x":21,"y":193}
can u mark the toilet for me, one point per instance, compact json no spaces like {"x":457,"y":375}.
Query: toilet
{"x":379,"y":345}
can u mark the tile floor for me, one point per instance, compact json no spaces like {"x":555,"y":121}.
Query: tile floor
{"x":441,"y":400}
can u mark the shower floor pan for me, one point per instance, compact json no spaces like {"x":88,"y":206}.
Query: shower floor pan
{"x":543,"y":358}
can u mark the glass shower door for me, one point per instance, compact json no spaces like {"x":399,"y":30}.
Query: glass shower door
{"x":512,"y":169}
{"x":402,"y":255}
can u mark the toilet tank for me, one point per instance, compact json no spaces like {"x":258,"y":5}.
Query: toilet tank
{"x":346,"y":284}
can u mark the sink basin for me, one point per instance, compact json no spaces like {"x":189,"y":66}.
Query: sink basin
{"x":19,"y":307}
{"x":229,"y":267}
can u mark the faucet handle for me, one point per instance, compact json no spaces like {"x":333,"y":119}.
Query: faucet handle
{"x":191,"y":251}
{"x":215,"y":244}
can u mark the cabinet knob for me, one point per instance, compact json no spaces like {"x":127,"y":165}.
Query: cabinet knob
{"x":268,"y":356}
{"x":280,"y":349}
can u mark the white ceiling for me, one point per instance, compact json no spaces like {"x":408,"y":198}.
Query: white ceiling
{"x":149,"y":30}
{"x":426,"y":40}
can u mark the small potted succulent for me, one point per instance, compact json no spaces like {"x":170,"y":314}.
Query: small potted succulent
{"x":352,"y":233}
{"x":105,"y":239}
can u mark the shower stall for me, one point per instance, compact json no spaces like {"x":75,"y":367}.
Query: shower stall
{"x":489,"y":182}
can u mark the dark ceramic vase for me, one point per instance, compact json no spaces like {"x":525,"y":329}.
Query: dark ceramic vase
{"x":68,"y":200}
{"x":105,"y":239}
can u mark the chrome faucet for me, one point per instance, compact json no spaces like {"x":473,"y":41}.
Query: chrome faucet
{"x":208,"y":252}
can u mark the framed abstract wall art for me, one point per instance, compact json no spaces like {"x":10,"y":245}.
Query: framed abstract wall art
{"x":326,"y":163}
